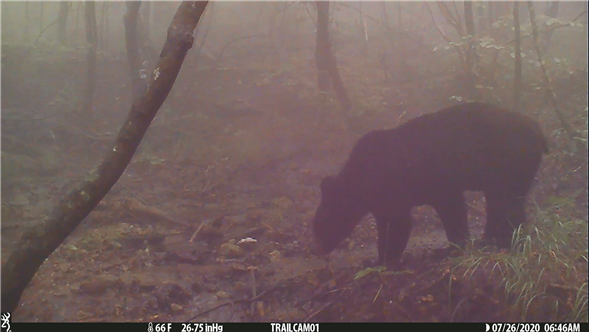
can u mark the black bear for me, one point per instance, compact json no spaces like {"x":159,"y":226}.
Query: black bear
{"x":432,"y":160}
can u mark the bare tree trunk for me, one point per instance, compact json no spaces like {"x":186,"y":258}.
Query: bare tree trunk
{"x":106,"y":25}
{"x":38,"y":242}
{"x":551,"y":11}
{"x":91,"y":33}
{"x":470,"y":52}
{"x":26,"y":23}
{"x":101,"y":26}
{"x":280,"y":37}
{"x":401,"y":42}
{"x":145,"y":18}
{"x":64,"y":7}
{"x":132,"y":41}
{"x":324,"y":48}
{"x":321,"y":52}
{"x":517,"y":81}
{"x":6,"y":17}
{"x":364,"y":30}
{"x":385,"y":66}
{"x":491,"y":17}
{"x":76,"y":21}
{"x":143,"y":38}
{"x":481,"y":19}
{"x":41,"y":17}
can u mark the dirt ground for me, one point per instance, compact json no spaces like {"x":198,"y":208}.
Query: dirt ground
{"x":191,"y":233}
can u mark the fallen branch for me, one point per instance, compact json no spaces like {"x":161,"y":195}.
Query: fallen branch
{"x":139,"y":209}
{"x":318,"y":311}
{"x":252,"y":299}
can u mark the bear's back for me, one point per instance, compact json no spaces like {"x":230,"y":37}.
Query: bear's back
{"x":469,"y":143}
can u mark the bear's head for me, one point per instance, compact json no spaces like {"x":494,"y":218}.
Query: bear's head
{"x":338,"y":213}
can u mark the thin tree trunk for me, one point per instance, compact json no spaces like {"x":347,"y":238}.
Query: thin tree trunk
{"x":91,"y":33}
{"x":26,"y":23}
{"x":324,"y":49}
{"x":573,"y":134}
{"x":132,"y":42}
{"x":6,"y":11}
{"x":491,"y":17}
{"x":41,"y":17}
{"x":62,"y":22}
{"x":482,"y":26}
{"x":321,"y":52}
{"x":551,"y":11}
{"x":364,"y":30}
{"x":401,"y":42}
{"x":470,"y":52}
{"x":517,"y":81}
{"x":385,"y":66}
{"x":38,"y":242}
{"x":106,"y":25}
{"x":145,"y":18}
{"x":76,"y":21}
{"x":101,"y":26}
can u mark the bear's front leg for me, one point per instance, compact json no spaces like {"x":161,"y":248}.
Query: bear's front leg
{"x":393,"y":235}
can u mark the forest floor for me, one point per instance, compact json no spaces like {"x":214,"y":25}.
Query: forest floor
{"x":211,"y":220}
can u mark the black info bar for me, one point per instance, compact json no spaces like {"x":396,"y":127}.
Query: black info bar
{"x":294,"y":327}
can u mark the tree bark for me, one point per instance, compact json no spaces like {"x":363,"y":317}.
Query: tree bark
{"x":41,"y":16}
{"x":491,"y":17}
{"x":106,"y":27}
{"x":470,"y":51}
{"x":26,"y":23}
{"x":517,"y":81}
{"x":62,"y":22}
{"x":321,"y":52}
{"x":132,"y":41}
{"x":482,"y":24}
{"x":91,"y":32}
{"x":37,"y":243}
{"x":101,"y":28}
{"x":326,"y":58}
{"x":76,"y":20}
{"x":551,"y":11}
{"x":146,"y":18}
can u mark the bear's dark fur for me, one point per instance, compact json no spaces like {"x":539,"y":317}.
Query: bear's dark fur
{"x":432,"y":160}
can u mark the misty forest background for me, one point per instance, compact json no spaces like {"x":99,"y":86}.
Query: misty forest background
{"x":210,"y":219}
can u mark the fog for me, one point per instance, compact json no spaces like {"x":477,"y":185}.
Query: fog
{"x":218,"y":201}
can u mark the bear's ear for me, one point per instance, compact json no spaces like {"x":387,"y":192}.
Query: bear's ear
{"x":327,"y":184}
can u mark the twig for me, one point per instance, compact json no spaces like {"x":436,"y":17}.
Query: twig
{"x":197,"y":230}
{"x":554,"y":27}
{"x":133,"y":193}
{"x":446,"y":38}
{"x":317,"y":294}
{"x":204,"y":37}
{"x":310,"y":16}
{"x":547,"y":83}
{"x":318,"y":311}
{"x":5,"y":227}
{"x":235,"y":40}
{"x":475,"y":208}
{"x":22,"y":59}
{"x":384,"y":24}
{"x":253,"y":274}
{"x":456,"y":309}
{"x":255,"y":298}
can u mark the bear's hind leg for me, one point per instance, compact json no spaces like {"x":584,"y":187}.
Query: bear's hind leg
{"x":505,"y":213}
